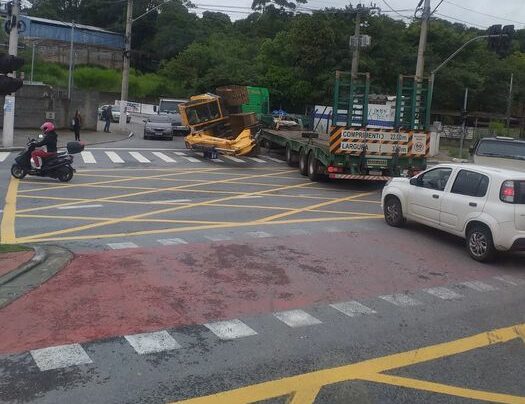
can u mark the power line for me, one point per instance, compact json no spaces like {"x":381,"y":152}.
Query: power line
{"x":482,"y":13}
{"x":395,"y":11}
{"x":435,"y":9}
{"x":463,"y":21}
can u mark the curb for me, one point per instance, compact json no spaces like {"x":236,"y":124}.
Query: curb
{"x":11,"y":149}
{"x":48,"y":261}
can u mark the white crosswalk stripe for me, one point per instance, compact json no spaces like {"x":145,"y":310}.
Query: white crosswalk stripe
{"x":297,"y":318}
{"x":122,"y":246}
{"x":59,"y":357}
{"x":258,"y":160}
{"x":88,"y":157}
{"x":114,"y":157}
{"x":4,"y":156}
{"x":443,"y":293}
{"x":180,"y":153}
{"x":235,"y":159}
{"x":152,"y":342}
{"x":163,"y":157}
{"x":274,"y":159}
{"x":479,"y":286}
{"x":139,"y":157}
{"x":400,"y":299}
{"x":353,"y":308}
{"x":192,"y":159}
{"x":172,"y":241}
{"x":230,"y":329}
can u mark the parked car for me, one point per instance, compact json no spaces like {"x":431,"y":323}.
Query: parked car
{"x":158,"y":127}
{"x":500,"y":152}
{"x":484,"y":205}
{"x":115,"y":113}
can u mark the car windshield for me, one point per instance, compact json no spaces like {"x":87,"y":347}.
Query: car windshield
{"x":171,"y":107}
{"x":501,"y":148}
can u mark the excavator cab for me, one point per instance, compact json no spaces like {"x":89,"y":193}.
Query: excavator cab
{"x":211,"y":127}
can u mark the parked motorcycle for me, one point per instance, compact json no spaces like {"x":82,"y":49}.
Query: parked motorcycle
{"x":59,"y":166}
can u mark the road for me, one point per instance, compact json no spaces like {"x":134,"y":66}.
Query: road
{"x":240,"y":281}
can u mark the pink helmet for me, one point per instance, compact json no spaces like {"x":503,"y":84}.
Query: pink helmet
{"x":47,"y":127}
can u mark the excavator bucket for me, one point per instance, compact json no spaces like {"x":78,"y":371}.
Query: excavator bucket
{"x":242,"y":145}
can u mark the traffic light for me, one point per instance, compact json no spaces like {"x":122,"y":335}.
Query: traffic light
{"x":506,"y":40}
{"x":494,"y":41}
{"x":9,"y":64}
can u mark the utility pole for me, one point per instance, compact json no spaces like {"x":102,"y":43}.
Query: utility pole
{"x":463,"y":124}
{"x":425,"y":18}
{"x":9,"y":105}
{"x":509,"y":102}
{"x":71,"y":49}
{"x":126,"y":66}
{"x":355,"y":54}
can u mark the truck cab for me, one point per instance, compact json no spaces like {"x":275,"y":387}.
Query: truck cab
{"x":169,"y":107}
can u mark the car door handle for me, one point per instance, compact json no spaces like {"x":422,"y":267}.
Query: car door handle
{"x":473,"y":204}
{"x":435,"y":196}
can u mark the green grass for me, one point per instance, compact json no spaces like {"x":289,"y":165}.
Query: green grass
{"x":8,"y":248}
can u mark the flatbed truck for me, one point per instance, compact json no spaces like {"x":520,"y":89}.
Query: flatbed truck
{"x":353,"y":150}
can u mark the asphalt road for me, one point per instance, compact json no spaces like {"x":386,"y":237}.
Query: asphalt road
{"x":243,"y":281}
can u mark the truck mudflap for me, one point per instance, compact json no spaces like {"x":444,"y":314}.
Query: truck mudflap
{"x":335,"y":176}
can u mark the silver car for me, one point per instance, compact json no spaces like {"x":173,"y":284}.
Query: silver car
{"x":158,"y":127}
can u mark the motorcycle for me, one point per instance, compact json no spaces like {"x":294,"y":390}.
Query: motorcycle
{"x":58,"y":166}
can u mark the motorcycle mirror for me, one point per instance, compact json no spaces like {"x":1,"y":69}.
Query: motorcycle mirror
{"x":40,"y":136}
{"x":131,"y":134}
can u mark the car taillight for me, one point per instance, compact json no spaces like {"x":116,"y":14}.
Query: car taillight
{"x":508,"y":192}
{"x":332,"y":169}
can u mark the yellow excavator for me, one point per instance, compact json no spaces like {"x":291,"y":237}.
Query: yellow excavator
{"x":214,"y":131}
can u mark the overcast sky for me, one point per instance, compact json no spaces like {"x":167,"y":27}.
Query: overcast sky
{"x":478,"y":13}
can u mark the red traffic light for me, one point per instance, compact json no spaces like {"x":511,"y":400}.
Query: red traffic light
{"x":9,"y":85}
{"x":10,"y":63}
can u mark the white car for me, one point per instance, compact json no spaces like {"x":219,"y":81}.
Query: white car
{"x":484,"y":205}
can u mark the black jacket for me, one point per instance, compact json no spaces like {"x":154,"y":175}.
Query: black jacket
{"x":50,"y":141}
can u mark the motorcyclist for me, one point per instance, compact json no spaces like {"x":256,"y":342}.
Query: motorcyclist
{"x":49,"y":142}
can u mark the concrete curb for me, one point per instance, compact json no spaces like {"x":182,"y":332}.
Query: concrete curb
{"x":47,"y":261}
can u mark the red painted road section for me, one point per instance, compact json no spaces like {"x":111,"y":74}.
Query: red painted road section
{"x":116,"y":293}
{"x":11,"y":261}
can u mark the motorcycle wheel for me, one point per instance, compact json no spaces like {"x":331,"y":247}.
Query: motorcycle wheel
{"x":65,"y":174}
{"x":18,"y":172}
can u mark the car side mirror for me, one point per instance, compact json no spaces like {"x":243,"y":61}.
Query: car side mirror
{"x":415,"y":181}
{"x":471,"y":150}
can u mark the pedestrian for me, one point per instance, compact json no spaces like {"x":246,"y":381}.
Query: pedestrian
{"x":77,"y":122}
{"x":108,"y":116}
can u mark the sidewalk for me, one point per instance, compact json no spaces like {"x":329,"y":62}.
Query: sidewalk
{"x":89,"y":137}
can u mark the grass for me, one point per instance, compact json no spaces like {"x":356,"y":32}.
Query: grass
{"x":8,"y":248}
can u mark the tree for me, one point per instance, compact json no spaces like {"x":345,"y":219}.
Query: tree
{"x":261,"y":5}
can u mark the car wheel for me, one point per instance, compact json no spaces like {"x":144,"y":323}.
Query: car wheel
{"x":313,"y":168}
{"x":18,"y":172}
{"x":303,"y":162}
{"x":291,"y":156}
{"x":480,"y":244}
{"x":393,"y":212}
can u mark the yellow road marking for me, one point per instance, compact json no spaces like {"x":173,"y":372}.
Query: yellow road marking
{"x":101,"y":219}
{"x":306,"y":384}
{"x":39,"y":239}
{"x":318,"y":205}
{"x":444,"y":389}
{"x":156,"y":212}
{"x":7,"y":227}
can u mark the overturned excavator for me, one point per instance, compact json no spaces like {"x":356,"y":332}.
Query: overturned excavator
{"x":216,"y":126}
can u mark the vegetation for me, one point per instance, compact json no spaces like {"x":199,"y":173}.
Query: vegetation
{"x":8,"y":248}
{"x":295,"y":55}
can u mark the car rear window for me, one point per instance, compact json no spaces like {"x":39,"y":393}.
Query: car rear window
{"x":471,"y":184}
{"x":501,"y":148}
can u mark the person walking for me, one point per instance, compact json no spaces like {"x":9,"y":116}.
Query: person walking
{"x":108,"y":116}
{"x":77,"y":122}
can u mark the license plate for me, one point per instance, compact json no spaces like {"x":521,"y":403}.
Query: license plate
{"x":377,"y":163}
{"x":374,"y":172}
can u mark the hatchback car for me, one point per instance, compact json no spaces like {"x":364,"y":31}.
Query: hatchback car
{"x":484,"y":205}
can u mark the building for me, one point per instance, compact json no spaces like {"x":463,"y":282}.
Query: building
{"x":51,"y":40}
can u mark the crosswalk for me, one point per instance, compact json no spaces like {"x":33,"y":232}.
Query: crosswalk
{"x":164,"y":157}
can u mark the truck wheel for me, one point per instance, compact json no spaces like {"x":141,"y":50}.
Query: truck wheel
{"x":313,"y":168}
{"x":480,"y":244}
{"x":393,"y":212}
{"x":303,"y":162}
{"x":291,"y":156}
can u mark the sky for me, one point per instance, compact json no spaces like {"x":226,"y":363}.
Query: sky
{"x":476,"y":13}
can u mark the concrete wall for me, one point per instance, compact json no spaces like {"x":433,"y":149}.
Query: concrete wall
{"x":34,"y":102}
